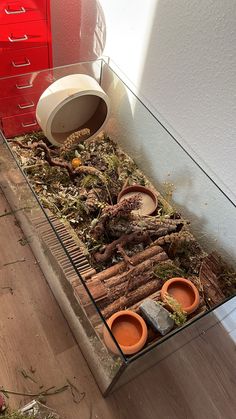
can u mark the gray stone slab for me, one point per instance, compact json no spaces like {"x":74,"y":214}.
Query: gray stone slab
{"x":157,"y":316}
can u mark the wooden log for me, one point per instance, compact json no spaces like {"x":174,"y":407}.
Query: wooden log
{"x":97,"y":290}
{"x":141,"y":268}
{"x":132,"y":281}
{"x":120,"y":267}
{"x":104,"y":293}
{"x":88,"y":273}
{"x":133,"y":297}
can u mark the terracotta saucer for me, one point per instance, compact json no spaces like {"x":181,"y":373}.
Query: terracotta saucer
{"x":184,"y":291}
{"x":148,"y":198}
{"x":129,"y":330}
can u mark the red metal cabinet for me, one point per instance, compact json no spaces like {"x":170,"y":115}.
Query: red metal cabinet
{"x":23,"y":11}
{"x":23,"y":35}
{"x":25,"y":84}
{"x":18,"y":104}
{"x":19,"y":124}
{"x":25,"y":47}
{"x":24,"y":60}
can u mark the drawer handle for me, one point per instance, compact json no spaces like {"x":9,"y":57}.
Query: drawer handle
{"x":30,"y":124}
{"x":24,"y":86}
{"x":23,"y":38}
{"x":25,"y":64}
{"x":15,"y":12}
{"x":26,"y":106}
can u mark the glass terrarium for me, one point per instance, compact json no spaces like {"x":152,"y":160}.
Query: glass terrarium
{"x":189,"y":234}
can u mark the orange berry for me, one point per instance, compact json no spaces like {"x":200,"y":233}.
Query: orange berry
{"x":76,"y":162}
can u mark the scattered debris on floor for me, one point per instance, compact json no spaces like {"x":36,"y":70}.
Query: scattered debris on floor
{"x":77,"y":395}
{"x":23,"y":241}
{"x":37,"y":408}
{"x":2,"y":404}
{"x":27,"y":376}
{"x":33,"y":410}
{"x":14,"y":261}
{"x":10,"y":289}
{"x":51,"y":391}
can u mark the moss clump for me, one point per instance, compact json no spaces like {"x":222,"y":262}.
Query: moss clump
{"x":17,"y":415}
{"x":89,"y":181}
{"x":112,"y":162}
{"x":179,"y":315}
{"x":166,"y":208}
{"x":167,"y":270}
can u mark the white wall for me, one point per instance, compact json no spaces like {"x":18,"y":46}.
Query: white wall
{"x":180,"y":54}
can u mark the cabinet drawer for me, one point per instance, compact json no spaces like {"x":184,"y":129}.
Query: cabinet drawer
{"x":26,"y":84}
{"x":19,"y":124}
{"x":18,"y":105}
{"x":24,"y":61}
{"x":22,"y":35}
{"x":22,"y":11}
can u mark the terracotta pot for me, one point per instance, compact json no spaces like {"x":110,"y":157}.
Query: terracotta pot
{"x":148,"y":198}
{"x":129,"y":330}
{"x":184,"y":291}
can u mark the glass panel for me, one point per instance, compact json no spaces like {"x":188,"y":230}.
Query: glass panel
{"x":165,"y":348}
{"x":163,"y":160}
{"x":52,"y":243}
{"x":165,"y":163}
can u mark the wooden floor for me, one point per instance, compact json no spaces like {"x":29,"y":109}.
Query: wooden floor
{"x":198,"y":381}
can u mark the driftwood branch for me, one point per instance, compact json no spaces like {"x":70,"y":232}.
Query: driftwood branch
{"x":48,"y":157}
{"x":113,"y":212}
{"x":136,"y":231}
{"x":88,"y":170}
{"x":155,"y":226}
{"x":110,"y":248}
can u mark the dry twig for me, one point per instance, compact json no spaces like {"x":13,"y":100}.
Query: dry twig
{"x":48,"y":392}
